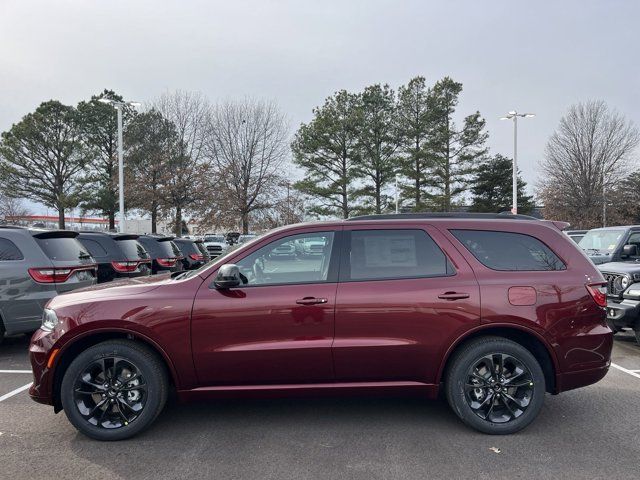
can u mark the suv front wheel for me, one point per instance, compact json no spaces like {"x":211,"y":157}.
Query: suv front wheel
{"x":114,"y":390}
{"x":495,"y":385}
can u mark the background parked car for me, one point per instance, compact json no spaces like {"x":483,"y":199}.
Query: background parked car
{"x":611,"y":244}
{"x":118,"y":255}
{"x":576,"y":235}
{"x":215,"y":244}
{"x":165,"y":254}
{"x":35,"y":266}
{"x":192,"y":257}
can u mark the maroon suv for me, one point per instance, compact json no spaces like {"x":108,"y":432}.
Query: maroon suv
{"x":495,"y":310}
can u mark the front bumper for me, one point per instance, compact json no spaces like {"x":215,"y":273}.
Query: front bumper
{"x":41,"y":390}
{"x":625,"y":314}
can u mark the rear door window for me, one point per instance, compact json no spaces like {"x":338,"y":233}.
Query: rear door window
{"x":393,"y":254}
{"x":9,"y":251}
{"x":63,"y":249}
{"x":132,"y":249}
{"x":508,"y":251}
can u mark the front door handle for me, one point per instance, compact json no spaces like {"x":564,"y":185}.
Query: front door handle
{"x":453,"y":296}
{"x":311,"y":301}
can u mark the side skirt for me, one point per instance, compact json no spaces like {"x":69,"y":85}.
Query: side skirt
{"x":402,"y":388}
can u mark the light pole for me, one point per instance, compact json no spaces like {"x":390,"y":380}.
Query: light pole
{"x":513,"y":115}
{"x":119,"y":106}
{"x":397,"y":194}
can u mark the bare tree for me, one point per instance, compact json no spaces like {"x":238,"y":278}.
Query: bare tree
{"x":11,"y":209}
{"x":247,"y":144}
{"x":587,"y":155}
{"x":188,"y":171}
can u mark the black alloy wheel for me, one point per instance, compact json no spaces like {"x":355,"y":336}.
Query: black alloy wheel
{"x":495,"y":385}
{"x":114,"y":390}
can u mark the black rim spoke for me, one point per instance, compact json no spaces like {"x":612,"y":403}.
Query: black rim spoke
{"x":498,"y":387}
{"x":110,"y":392}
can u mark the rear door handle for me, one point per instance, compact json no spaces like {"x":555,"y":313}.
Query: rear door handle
{"x":453,"y":296}
{"x":311,"y":301}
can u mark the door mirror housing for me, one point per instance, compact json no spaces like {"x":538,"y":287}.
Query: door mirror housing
{"x":228,"y":276}
{"x":630,"y":251}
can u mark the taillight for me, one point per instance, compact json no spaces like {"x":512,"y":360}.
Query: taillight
{"x":56,"y":274}
{"x":125,"y":266}
{"x":197,"y":257}
{"x":166,"y":262}
{"x":598,"y":292}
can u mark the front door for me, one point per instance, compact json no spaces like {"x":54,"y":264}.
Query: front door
{"x":278,"y":326}
{"x":405,"y":294}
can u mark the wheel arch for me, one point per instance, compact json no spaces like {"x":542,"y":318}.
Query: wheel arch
{"x":528,"y":338}
{"x":82,"y":342}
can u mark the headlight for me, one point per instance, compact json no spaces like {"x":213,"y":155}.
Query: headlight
{"x":625,"y":282}
{"x":49,"y":320}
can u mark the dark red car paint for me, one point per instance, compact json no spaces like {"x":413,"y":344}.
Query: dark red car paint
{"x":368,"y":335}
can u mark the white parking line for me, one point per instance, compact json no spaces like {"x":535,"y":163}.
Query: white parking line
{"x":15,"y":371}
{"x":14,"y":392}
{"x":625,"y":370}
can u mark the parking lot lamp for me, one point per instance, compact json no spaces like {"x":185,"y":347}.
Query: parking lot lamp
{"x":119,"y":106}
{"x":513,"y":115}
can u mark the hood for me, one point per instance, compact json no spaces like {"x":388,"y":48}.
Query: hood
{"x":620,"y":267}
{"x":598,"y":258}
{"x":121,"y":288}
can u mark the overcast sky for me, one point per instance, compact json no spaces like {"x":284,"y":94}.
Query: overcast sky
{"x":526,"y":55}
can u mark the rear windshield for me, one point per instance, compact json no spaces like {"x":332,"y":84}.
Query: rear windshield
{"x":509,"y":251}
{"x":187,"y":247}
{"x":63,"y":249}
{"x":175,"y":249}
{"x":166,"y":249}
{"x":132,"y":249}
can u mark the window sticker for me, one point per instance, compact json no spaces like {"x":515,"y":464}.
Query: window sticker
{"x":391,"y":251}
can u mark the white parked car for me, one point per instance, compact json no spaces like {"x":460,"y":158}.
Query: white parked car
{"x":215,"y":244}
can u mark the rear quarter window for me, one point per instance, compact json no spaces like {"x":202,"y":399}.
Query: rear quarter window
{"x":508,"y":251}
{"x":9,"y":251}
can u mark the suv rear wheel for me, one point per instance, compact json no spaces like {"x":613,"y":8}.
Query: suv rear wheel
{"x":495,"y":385}
{"x":114,"y":390}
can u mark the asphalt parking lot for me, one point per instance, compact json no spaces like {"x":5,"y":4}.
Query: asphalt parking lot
{"x":591,"y":433}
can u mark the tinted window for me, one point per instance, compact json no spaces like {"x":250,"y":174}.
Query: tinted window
{"x":509,"y":251}
{"x":95,"y":249}
{"x":63,"y":249}
{"x":132,"y":249}
{"x":187,"y":247}
{"x":393,"y":254}
{"x":9,"y":251}
{"x":283,"y":261}
{"x":166,"y":249}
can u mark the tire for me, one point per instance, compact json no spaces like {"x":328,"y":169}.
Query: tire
{"x":120,"y":410}
{"x":2,"y":331}
{"x":635,"y":330}
{"x":494,"y":407}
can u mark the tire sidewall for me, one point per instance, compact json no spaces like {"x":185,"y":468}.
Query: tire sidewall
{"x":457,"y":379}
{"x":156,"y":390}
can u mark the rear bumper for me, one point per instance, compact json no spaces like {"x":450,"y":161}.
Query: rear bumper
{"x":625,"y":314}
{"x":571,"y":380}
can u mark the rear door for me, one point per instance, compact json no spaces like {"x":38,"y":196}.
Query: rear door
{"x":74,"y":266}
{"x":404,"y":295}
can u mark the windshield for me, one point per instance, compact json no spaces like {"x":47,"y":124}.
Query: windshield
{"x":132,"y":249}
{"x":214,"y":238}
{"x":601,"y":240}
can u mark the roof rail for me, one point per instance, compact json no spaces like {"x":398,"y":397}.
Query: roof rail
{"x":470,"y":215}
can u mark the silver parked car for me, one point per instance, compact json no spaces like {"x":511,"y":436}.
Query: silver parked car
{"x":35,"y":266}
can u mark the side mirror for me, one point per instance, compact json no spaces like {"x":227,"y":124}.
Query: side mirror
{"x":228,"y":276}
{"x":630,"y":251}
